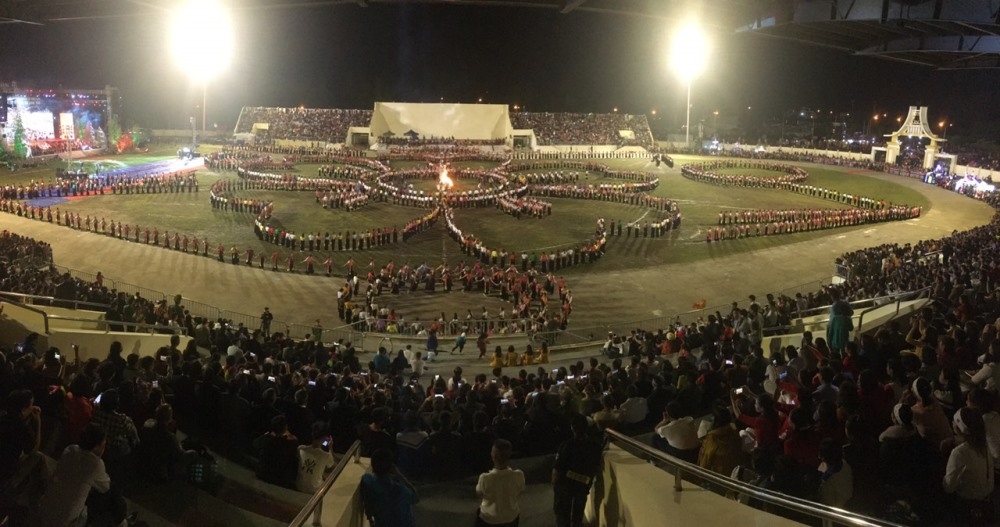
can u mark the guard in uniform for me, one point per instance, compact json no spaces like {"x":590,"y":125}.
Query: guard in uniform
{"x":577,"y":462}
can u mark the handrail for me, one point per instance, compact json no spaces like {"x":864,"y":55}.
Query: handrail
{"x":829,"y":515}
{"x":300,"y":518}
{"x":899,"y":300}
{"x":45,"y":316}
{"x":108,"y":323}
{"x":854,"y":303}
{"x":53,"y":299}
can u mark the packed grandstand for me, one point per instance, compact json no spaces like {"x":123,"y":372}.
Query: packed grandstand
{"x":332,"y":126}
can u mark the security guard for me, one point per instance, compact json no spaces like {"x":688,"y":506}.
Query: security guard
{"x":577,"y":462}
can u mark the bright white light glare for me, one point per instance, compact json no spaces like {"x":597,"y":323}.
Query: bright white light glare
{"x":689,"y":51}
{"x":201,"y":36}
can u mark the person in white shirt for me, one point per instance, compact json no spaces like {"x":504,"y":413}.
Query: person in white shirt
{"x":676,"y":434}
{"x":635,"y":408}
{"x":315,"y":464}
{"x":988,"y":375}
{"x":417,"y":364}
{"x":836,"y":477}
{"x":970,"y":471}
{"x":79,"y":475}
{"x":500,"y":490}
{"x":982,"y":400}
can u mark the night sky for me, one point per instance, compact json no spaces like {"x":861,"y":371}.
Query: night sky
{"x":349,"y":57}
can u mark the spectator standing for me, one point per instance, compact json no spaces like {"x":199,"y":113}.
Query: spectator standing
{"x":277,"y":452}
{"x":500,"y":489}
{"x":722,"y":449}
{"x":387,"y":495}
{"x":22,"y":465}
{"x":315,"y":464}
{"x":577,"y":462}
{"x":432,"y":345}
{"x":265,"y":322}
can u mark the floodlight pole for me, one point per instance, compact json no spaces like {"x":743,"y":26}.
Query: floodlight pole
{"x":687,"y":124}
{"x":204,"y":99}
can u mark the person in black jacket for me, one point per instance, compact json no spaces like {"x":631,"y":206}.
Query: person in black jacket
{"x":577,"y":462}
{"x":277,"y":451}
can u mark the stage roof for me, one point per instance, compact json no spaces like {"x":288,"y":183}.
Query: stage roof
{"x":944,"y":34}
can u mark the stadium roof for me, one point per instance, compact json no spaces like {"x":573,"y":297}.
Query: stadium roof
{"x":944,"y":34}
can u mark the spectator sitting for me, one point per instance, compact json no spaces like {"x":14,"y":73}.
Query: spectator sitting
{"x":122,"y":435}
{"x":676,"y":434}
{"x":635,"y":408}
{"x":445,"y":448}
{"x":374,"y":436}
{"x":608,"y":416}
{"x":412,"y":448}
{"x":381,"y":361}
{"x":836,"y":478}
{"x":160,"y":450}
{"x":81,"y":491}
{"x":928,"y":415}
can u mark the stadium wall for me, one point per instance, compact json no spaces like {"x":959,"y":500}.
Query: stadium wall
{"x":461,"y":121}
{"x":961,"y":170}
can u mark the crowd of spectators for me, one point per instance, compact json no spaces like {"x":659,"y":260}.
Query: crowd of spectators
{"x":584,"y":128}
{"x":434,"y":142}
{"x":331,"y":125}
{"x":303,"y":124}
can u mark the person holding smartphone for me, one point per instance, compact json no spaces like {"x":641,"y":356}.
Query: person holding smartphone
{"x":316,"y":462}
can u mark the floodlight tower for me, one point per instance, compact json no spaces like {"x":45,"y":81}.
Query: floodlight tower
{"x":202,"y":37}
{"x":688,"y":57}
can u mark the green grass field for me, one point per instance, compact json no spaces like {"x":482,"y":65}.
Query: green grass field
{"x":571,"y":222}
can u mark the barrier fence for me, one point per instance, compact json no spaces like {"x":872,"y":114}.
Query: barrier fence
{"x":355,"y":332}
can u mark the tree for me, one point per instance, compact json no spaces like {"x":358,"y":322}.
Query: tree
{"x":114,"y":130}
{"x":20,"y":138}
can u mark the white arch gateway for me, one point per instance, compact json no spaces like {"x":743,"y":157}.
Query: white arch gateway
{"x":915,"y":125}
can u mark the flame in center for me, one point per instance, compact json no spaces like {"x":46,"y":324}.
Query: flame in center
{"x":444,"y":180}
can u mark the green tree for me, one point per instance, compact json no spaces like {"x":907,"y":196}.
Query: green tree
{"x":114,"y":130}
{"x":20,"y":138}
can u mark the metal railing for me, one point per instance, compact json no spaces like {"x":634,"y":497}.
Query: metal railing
{"x":829,"y":516}
{"x":353,"y":453}
{"x":45,"y":317}
{"x":106,"y":325}
{"x":901,"y":297}
{"x":53,"y":301}
{"x":116,"y":285}
{"x":127,"y":327}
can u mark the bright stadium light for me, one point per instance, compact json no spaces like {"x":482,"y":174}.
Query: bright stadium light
{"x":688,"y":57}
{"x":201,"y":36}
